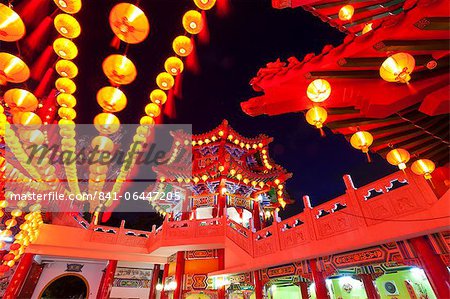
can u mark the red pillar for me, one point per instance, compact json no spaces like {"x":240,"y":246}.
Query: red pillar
{"x":221,"y":199}
{"x":221,"y":257}
{"x":303,"y":289}
{"x":165,"y":274}
{"x":433,"y":266}
{"x":19,"y":276}
{"x":155,"y":276}
{"x":179,"y":273}
{"x":371,"y":291}
{"x":258,"y":285}
{"x":107,"y":280}
{"x":256,"y":218}
{"x":319,"y":280}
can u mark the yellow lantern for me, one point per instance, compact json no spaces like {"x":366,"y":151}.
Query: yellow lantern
{"x":66,"y":100}
{"x":158,"y":96}
{"x":318,"y":90}
{"x":316,"y":116}
{"x":106,"y":123}
{"x":346,"y":12}
{"x":67,"y":113}
{"x":362,"y":140}
{"x":398,"y":157}
{"x":119,"y":69}
{"x":205,"y":4}
{"x":423,"y":167}
{"x":111,"y":99}
{"x":182,"y":45}
{"x":29,"y":119}
{"x":65,"y":85}
{"x":397,"y":68}
{"x":147,"y":120}
{"x":165,"y":81}
{"x":152,"y":110}
{"x":67,"y":26}
{"x":129,"y":23}
{"x":12,"y":27}
{"x":69,"y":6}
{"x":65,"y":48}
{"x":367,"y":28}
{"x":173,"y":65}
{"x":66,"y":68}
{"x":20,"y":100}
{"x":103,"y":144}
{"x":12,"y":69}
{"x":193,"y":22}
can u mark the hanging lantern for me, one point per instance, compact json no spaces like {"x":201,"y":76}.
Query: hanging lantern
{"x":173,"y":65}
{"x":106,"y":123}
{"x":346,"y":12}
{"x":367,"y":28}
{"x":111,"y":99}
{"x":129,"y":23}
{"x":158,"y":96}
{"x":165,"y":81}
{"x":67,"y":26}
{"x":20,"y":100}
{"x":12,"y":69}
{"x":398,"y":157}
{"x":316,"y":116}
{"x":30,"y":119}
{"x":397,"y":68}
{"x":147,"y":120}
{"x":119,"y":69}
{"x":318,"y":90}
{"x":65,"y":85}
{"x":205,"y":4}
{"x":67,"y":113}
{"x":12,"y":27}
{"x":423,"y":167}
{"x":182,"y":45}
{"x":362,"y":140}
{"x":103,"y":144}
{"x":69,"y":6}
{"x":193,"y":22}
{"x":65,"y":48}
{"x":152,"y":110}
{"x":66,"y":100}
{"x":66,"y":68}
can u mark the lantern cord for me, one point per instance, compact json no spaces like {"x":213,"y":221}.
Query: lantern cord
{"x":368,"y":157}
{"x":395,"y":220}
{"x":432,"y":184}
{"x":322,"y":132}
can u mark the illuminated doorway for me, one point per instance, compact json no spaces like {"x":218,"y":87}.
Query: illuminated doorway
{"x":68,"y":286}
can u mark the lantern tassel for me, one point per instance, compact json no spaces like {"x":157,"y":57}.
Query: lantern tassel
{"x":115,"y":43}
{"x":368,"y":157}
{"x":169,"y":107}
{"x":192,"y":60}
{"x":42,"y":63}
{"x":32,"y":11}
{"x":203,"y":36}
{"x":45,"y":83}
{"x":322,"y":132}
{"x":432,"y":184}
{"x":223,"y":8}
{"x":178,"y":88}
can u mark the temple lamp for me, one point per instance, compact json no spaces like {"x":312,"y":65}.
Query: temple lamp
{"x":316,"y":116}
{"x":397,"y":68}
{"x":346,"y":12}
{"x":318,"y":90}
{"x":398,"y":157}
{"x":362,"y":140}
{"x":423,"y":167}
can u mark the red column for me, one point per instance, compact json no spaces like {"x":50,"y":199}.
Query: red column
{"x":256,"y":218}
{"x":433,"y":266}
{"x":371,"y":291}
{"x":258,"y":285}
{"x":107,"y":280}
{"x":179,"y":273}
{"x":303,"y":289}
{"x":155,"y":276}
{"x":19,"y":276}
{"x":319,"y":280}
{"x":221,"y":199}
{"x":221,"y":257}
{"x":165,"y":274}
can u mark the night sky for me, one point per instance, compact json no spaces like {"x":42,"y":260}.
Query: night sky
{"x":252,"y":35}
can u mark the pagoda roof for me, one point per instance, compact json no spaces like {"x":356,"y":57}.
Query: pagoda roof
{"x":413,"y":116}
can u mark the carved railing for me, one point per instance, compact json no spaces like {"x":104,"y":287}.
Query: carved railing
{"x":119,"y":236}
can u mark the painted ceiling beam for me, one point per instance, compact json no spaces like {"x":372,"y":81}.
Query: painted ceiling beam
{"x":413,"y":45}
{"x":433,"y":23}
